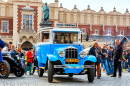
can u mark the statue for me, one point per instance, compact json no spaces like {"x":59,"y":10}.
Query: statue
{"x":45,"y":22}
{"x":45,"y":9}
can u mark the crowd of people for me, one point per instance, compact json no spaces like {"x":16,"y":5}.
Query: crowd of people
{"x":110,"y":59}
{"x":28,"y":56}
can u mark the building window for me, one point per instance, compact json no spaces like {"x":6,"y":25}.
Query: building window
{"x":122,"y":32}
{"x":109,"y":32}
{"x":27,"y":21}
{"x":96,"y":31}
{"x":5,"y":27}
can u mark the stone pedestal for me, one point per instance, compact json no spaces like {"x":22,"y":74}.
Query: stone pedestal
{"x":45,"y":24}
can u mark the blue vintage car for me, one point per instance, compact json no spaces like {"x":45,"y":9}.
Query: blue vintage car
{"x":60,"y":51}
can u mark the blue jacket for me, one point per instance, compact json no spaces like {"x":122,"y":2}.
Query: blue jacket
{"x":2,"y":45}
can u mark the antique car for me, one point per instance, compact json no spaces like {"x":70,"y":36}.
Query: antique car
{"x":11,"y":65}
{"x":60,"y":51}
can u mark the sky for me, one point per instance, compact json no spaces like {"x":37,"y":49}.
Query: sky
{"x":96,"y":5}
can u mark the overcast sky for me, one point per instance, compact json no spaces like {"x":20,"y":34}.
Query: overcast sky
{"x":96,"y":5}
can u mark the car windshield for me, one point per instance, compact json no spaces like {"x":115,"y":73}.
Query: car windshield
{"x":65,"y":38}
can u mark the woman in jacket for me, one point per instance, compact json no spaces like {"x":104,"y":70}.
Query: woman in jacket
{"x":95,"y":51}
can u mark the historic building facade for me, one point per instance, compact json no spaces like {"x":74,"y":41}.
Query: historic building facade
{"x":20,"y":19}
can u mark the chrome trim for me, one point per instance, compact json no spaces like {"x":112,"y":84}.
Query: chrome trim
{"x":78,"y":67}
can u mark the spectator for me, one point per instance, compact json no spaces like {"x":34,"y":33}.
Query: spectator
{"x":21,"y":55}
{"x":117,"y":52}
{"x":2,"y":45}
{"x":110,"y":59}
{"x":35,"y":63}
{"x":94,"y":51}
{"x":13,"y":53}
{"x":104,"y":59}
{"x":129,"y":63}
{"x":19,"y":49}
{"x":126,"y":61}
{"x":29,"y":61}
{"x":9,"y":47}
{"x":123,"y":60}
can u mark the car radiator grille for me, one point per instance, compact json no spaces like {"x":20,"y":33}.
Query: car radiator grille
{"x":71,"y":53}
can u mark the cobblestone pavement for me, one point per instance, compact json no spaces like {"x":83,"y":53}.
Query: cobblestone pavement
{"x":76,"y":80}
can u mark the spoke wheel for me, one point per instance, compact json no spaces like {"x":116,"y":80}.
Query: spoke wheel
{"x":4,"y":69}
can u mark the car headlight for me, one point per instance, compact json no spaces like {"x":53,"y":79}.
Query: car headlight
{"x":61,"y":53}
{"x":82,"y":54}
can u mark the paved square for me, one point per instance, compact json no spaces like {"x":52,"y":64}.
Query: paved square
{"x":77,"y":80}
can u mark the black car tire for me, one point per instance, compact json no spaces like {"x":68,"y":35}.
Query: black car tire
{"x":19,"y":73}
{"x":91,"y":73}
{"x":70,"y":75}
{"x":50,"y":71}
{"x":7,"y":69}
{"x":40,"y":72}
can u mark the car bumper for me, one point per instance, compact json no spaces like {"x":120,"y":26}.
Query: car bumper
{"x":74,"y":66}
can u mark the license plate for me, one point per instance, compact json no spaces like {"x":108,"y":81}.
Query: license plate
{"x":72,"y":60}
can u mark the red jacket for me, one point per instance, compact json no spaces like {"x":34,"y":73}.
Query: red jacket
{"x":29,"y":57}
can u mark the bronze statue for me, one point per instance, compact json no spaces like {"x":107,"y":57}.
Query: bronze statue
{"x":45,"y":9}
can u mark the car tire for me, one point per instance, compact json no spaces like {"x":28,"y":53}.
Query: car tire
{"x":6,"y":69}
{"x":91,"y":73}
{"x":19,"y":73}
{"x":70,"y":75}
{"x":50,"y":71}
{"x":40,"y":72}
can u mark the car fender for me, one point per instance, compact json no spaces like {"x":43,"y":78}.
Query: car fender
{"x":52,"y":57}
{"x":90,"y":58}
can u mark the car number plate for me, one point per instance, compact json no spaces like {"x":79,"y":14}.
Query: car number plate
{"x":72,"y":60}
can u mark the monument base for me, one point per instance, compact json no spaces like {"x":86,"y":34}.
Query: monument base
{"x":45,"y":24}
